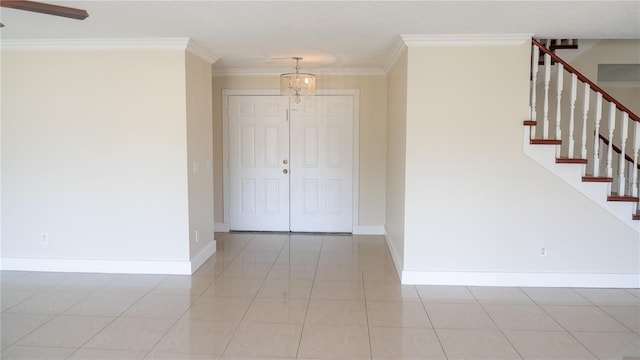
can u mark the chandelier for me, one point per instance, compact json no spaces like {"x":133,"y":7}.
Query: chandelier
{"x":297,"y":84}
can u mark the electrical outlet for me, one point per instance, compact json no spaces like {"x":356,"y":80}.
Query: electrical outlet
{"x":543,"y":251}
{"x":44,"y":238}
{"x":197,"y":235}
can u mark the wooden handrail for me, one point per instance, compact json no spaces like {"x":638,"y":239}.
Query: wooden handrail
{"x":617,"y":149}
{"x":584,"y":79}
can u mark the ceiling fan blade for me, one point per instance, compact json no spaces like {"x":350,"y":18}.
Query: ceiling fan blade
{"x":45,"y":8}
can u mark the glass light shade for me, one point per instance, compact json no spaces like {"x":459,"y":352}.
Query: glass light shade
{"x":297,"y":84}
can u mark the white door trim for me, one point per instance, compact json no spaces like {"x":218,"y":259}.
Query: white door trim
{"x":257,"y":92}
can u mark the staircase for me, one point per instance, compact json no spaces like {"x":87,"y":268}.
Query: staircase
{"x":582,"y":134}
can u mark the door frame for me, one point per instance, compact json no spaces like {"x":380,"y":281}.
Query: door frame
{"x":355,"y":93}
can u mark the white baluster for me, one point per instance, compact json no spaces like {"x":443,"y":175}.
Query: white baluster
{"x":636,"y":153}
{"x":534,"y":80}
{"x":547,"y":79}
{"x":623,"y":149}
{"x":612,"y":127}
{"x":596,"y":138}
{"x":574,"y":95}
{"x":559,"y":101}
{"x":585,"y":114}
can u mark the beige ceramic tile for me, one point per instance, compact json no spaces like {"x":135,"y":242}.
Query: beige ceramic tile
{"x":36,"y":353}
{"x":397,"y":314}
{"x":335,"y":272}
{"x":399,"y":343}
{"x":292,"y":272}
{"x":258,"y":257}
{"x":555,"y":296}
{"x":338,"y":243}
{"x":265,"y":340}
{"x":338,"y":290}
{"x":10,"y":298}
{"x":584,"y":318}
{"x":629,"y":316}
{"x":282,"y":311}
{"x":610,"y":345}
{"x":242,"y":270}
{"x":130,"y":334}
{"x":337,"y":312}
{"x":135,"y":282}
{"x":182,"y":285}
{"x":219,"y":308}
{"x":500,"y":295}
{"x":159,"y":306}
{"x":233,"y":287}
{"x":180,"y":356}
{"x":285,"y":289}
{"x":476,"y":344}
{"x":105,"y":304}
{"x":50,"y":302}
{"x":547,"y":345}
{"x":459,"y":316}
{"x":16,"y":326}
{"x":445,"y":294}
{"x":304,"y":258}
{"x":609,"y":297}
{"x":66,"y":331}
{"x":385,"y":291}
{"x":196,"y":336}
{"x":89,"y":354}
{"x":334,"y":342}
{"x":521,"y":317}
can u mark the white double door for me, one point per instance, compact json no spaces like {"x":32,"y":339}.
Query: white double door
{"x":290,"y":165}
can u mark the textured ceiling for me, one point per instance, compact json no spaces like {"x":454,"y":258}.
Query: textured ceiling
{"x":328,"y":34}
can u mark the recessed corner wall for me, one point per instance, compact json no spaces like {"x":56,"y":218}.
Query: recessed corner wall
{"x":94,"y":155}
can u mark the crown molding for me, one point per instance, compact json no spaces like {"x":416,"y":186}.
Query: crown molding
{"x":278,"y":71}
{"x":466,"y":40}
{"x":200,"y":51}
{"x":96,"y":44}
{"x":398,"y":49}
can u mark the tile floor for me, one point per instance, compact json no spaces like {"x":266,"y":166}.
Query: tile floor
{"x":287,"y":296}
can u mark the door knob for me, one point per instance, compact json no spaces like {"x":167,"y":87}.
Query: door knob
{"x":285,"y":161}
{"x":285,"y":171}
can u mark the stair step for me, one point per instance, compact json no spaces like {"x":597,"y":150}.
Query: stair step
{"x":545,"y":142}
{"x":614,"y":197}
{"x":597,"y":179}
{"x":529,"y":123}
{"x":571,"y":161}
{"x":636,"y":217}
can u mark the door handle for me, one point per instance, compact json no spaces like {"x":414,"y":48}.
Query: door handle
{"x":285,"y":171}
{"x":285,"y":161}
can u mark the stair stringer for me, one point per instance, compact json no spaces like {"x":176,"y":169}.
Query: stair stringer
{"x":545,"y":155}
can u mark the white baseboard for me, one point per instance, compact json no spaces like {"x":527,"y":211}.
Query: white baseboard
{"x":395,"y":256}
{"x":221,"y":227}
{"x":110,"y":266}
{"x":521,"y":279}
{"x":203,"y":256}
{"x":98,"y":266}
{"x":368,"y":229}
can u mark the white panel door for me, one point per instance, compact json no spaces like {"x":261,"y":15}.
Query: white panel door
{"x":258,"y":163}
{"x":321,"y":129}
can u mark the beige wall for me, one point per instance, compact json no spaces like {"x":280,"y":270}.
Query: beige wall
{"x":94,"y":154}
{"x":199,"y":153}
{"x":396,"y":158}
{"x":372,"y":135}
{"x":474,"y":201}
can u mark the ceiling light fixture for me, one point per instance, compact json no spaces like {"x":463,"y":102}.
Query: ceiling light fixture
{"x":297,"y":84}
